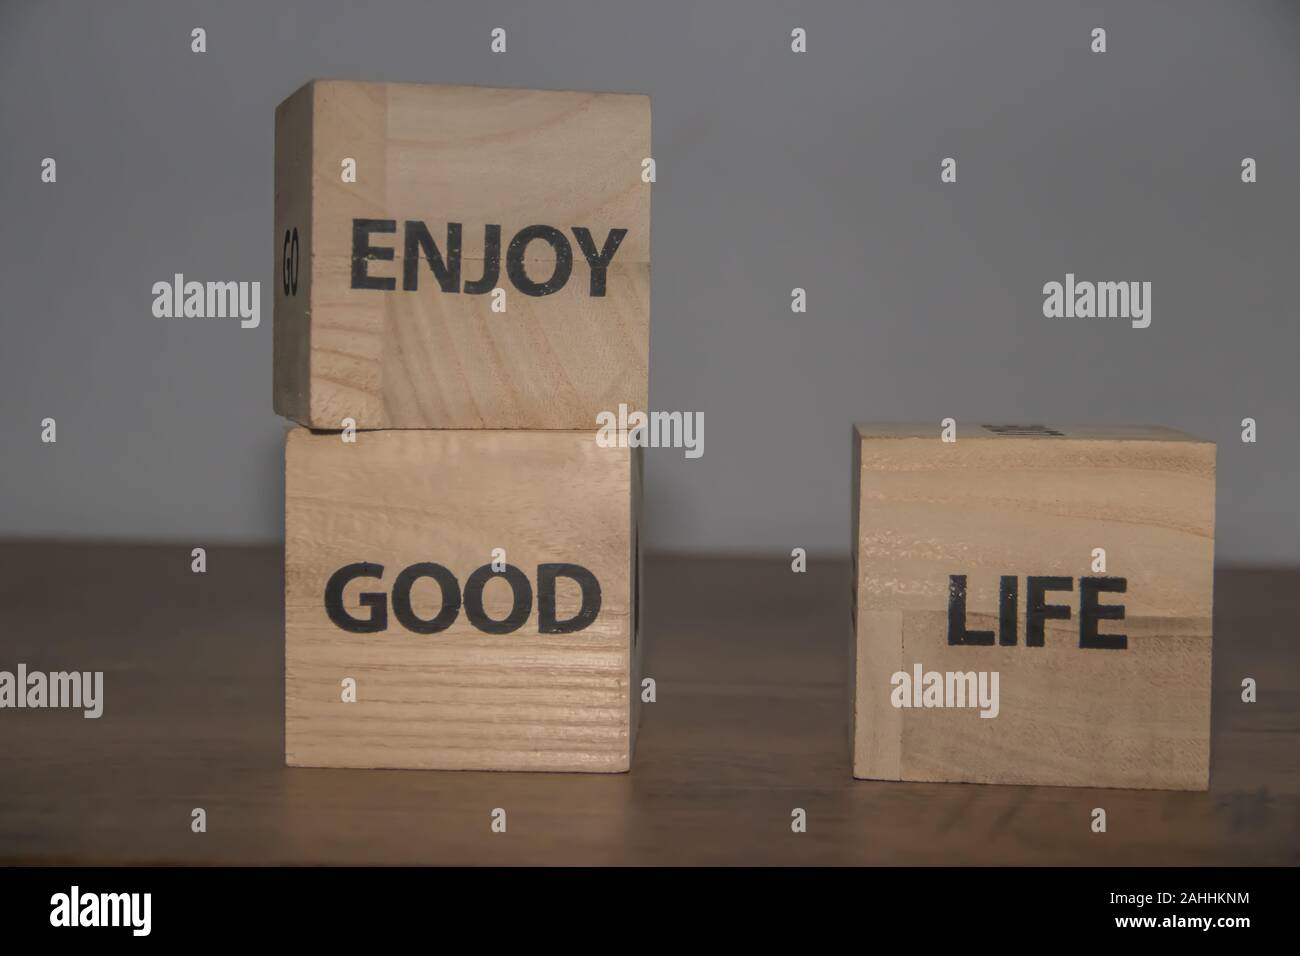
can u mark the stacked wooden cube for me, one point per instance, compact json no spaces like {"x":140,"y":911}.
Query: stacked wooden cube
{"x":462,"y":287}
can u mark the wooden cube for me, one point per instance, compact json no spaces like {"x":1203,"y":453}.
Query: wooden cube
{"x":983,"y":556}
{"x":467,"y":200}
{"x":460,"y":655}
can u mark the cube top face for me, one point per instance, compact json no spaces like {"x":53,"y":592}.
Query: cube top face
{"x":1026,"y":430}
{"x":389,"y":580}
{"x":1016,"y":551}
{"x":460,"y":257}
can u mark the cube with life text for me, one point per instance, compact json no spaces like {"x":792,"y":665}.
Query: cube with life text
{"x":460,"y":257}
{"x":1032,"y":605}
{"x":461,"y":599}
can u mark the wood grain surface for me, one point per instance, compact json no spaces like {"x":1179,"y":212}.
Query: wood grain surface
{"x":751,"y":721}
{"x":1023,"y":505}
{"x":428,"y":358}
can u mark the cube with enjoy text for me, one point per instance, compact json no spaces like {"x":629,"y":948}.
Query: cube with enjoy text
{"x":460,"y":257}
{"x":461,"y":599}
{"x":1032,"y":604}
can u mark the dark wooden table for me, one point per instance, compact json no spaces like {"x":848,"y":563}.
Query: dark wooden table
{"x":751,"y":721}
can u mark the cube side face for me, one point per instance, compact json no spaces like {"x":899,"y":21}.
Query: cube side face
{"x":452,"y":286}
{"x":541,"y":694}
{"x":636,"y":576}
{"x":876,"y":649}
{"x":1003,"y":514}
{"x":291,"y":317}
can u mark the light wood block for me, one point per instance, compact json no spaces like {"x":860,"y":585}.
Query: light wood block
{"x":537,"y":696}
{"x":494,"y":161}
{"x":1014,"y":504}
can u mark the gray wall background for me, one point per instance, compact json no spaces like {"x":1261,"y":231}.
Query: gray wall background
{"x":775,"y":170}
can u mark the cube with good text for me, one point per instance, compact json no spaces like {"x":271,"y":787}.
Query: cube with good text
{"x":461,"y":600}
{"x":1032,"y":604}
{"x":460,"y":257}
